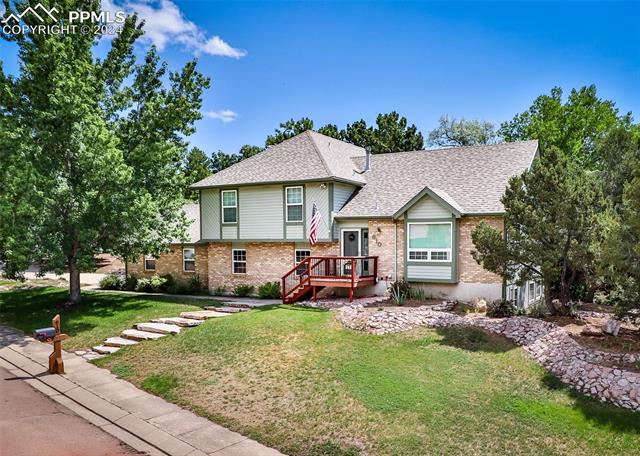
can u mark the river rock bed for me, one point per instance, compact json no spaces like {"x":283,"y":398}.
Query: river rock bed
{"x":580,"y":367}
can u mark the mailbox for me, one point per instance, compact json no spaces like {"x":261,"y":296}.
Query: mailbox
{"x":44,"y":334}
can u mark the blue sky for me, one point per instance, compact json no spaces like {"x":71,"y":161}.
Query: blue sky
{"x":338,"y":62}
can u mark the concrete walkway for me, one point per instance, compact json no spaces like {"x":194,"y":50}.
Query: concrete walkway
{"x":145,"y":422}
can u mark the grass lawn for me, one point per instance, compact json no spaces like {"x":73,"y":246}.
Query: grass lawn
{"x":294,"y":379}
{"x":100,"y":315}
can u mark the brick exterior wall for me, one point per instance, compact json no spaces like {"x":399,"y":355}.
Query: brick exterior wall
{"x":266,"y":261}
{"x":171,"y":263}
{"x":381,"y":237}
{"x":468,"y":270}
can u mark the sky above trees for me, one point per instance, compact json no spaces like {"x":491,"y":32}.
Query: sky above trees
{"x":335,"y":62}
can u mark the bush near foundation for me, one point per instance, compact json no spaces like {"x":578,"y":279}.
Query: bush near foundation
{"x":269,"y":290}
{"x":243,"y":290}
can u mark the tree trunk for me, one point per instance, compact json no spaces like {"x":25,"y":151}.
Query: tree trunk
{"x":74,"y":275}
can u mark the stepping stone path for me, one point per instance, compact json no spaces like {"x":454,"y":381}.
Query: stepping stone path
{"x":158,"y":328}
{"x":227,"y":309}
{"x":184,"y":322}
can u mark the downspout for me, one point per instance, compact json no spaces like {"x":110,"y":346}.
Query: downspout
{"x":395,"y":250}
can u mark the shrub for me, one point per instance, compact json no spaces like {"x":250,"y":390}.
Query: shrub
{"x":601,"y":298}
{"x":400,"y":290}
{"x":219,"y":290}
{"x":130,"y":282}
{"x":112,"y":282}
{"x":195,"y":284}
{"x":417,"y":293}
{"x":152,"y":284}
{"x":537,"y":309}
{"x":269,"y":290}
{"x":501,"y":308}
{"x":243,"y":290}
{"x":169,"y":283}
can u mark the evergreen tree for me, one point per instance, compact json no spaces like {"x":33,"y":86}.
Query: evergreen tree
{"x":197,"y":167}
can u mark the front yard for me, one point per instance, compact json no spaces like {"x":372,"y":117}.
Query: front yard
{"x":294,"y":379}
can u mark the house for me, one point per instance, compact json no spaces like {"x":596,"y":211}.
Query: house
{"x":405,"y":215}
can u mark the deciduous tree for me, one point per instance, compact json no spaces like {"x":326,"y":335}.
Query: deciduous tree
{"x":576,"y":126}
{"x":103,"y":143}
{"x":453,"y":132}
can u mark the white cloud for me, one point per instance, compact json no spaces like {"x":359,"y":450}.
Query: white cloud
{"x":226,"y":115}
{"x":165,"y":24}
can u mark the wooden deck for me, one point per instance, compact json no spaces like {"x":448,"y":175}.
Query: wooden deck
{"x":314,"y":273}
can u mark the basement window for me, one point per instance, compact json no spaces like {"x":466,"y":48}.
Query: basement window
{"x":149,"y":263}
{"x":188,"y":259}
{"x":239,"y":261}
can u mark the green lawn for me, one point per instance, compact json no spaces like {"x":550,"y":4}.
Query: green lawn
{"x":100,"y":315}
{"x":294,"y":379}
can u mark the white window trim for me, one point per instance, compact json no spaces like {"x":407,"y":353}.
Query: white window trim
{"x":229,"y":207}
{"x":449,"y":251}
{"x":149,"y":257}
{"x":301,"y":204}
{"x":184,"y":260}
{"x":233,"y":262}
{"x":359,"y":230}
{"x":295,"y":254}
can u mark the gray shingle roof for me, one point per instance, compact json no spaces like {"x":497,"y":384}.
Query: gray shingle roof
{"x":471,"y":179}
{"x":307,"y":156}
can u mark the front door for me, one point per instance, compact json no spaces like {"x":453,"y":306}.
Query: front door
{"x":350,"y":242}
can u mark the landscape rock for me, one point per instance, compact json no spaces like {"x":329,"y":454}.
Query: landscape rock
{"x":581,"y":368}
{"x":592,"y":331}
{"x":612,"y":327}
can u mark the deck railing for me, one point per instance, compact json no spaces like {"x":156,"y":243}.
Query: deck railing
{"x":340,"y":268}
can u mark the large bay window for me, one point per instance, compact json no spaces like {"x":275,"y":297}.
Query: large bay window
{"x":430,"y":241}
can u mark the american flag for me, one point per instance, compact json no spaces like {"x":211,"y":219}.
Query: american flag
{"x":316,"y":218}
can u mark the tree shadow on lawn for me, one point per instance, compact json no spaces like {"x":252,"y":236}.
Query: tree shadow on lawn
{"x":473,"y":339}
{"x":602,"y":413}
{"x":29,"y":309}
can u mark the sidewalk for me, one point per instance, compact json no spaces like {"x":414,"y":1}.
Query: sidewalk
{"x":145,"y":422}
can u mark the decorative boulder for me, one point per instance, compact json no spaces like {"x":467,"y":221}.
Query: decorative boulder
{"x":592,"y":331}
{"x":481,"y":305}
{"x":612,"y":327}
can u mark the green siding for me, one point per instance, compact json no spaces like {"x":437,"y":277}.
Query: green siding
{"x":210,"y":214}
{"x":315,"y":193}
{"x":261,"y":212}
{"x":427,"y":208}
{"x":341,"y":193}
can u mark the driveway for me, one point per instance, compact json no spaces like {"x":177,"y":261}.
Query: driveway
{"x":32,"y":424}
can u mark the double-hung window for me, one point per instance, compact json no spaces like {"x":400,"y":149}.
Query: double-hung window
{"x":294,"y":197}
{"x":229,"y":206}
{"x":239,"y":261}
{"x":149,"y":263}
{"x":301,"y":254}
{"x":532,"y":291}
{"x":188,"y":259}
{"x":430,"y":241}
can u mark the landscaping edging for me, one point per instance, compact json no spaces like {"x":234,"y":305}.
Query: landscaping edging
{"x":547,"y":343}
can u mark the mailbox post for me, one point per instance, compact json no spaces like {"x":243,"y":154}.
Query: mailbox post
{"x":56,"y":366}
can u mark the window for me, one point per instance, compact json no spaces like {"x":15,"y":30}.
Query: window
{"x":532,"y":291}
{"x":229,"y":206}
{"x":188,"y":259}
{"x":294,"y":198}
{"x":239,"y":261}
{"x":300,"y":256}
{"x":149,"y":263}
{"x":430,"y":241}
{"x":538,"y":290}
